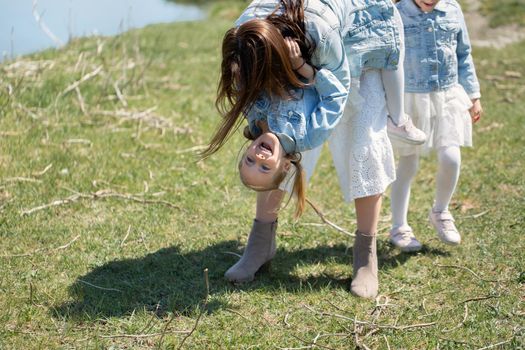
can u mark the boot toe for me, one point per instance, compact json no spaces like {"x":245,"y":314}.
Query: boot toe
{"x":363,"y":291}
{"x":238,"y":275}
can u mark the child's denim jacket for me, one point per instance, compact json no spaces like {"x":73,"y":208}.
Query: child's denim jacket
{"x":438,"y":51}
{"x":358,"y":29}
{"x":306,"y":120}
{"x":371,"y":37}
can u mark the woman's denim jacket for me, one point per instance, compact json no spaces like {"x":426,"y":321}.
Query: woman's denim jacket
{"x":358,"y":29}
{"x":306,"y":120}
{"x":438,"y":51}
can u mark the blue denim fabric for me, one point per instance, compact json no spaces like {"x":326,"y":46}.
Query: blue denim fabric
{"x":324,"y":28}
{"x":361,"y":32}
{"x":437,"y":49}
{"x":306,"y":120}
{"x":371,"y":38}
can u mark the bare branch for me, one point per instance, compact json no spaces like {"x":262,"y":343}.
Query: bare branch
{"x":44,"y":27}
{"x":22,"y":179}
{"x":102,"y":194}
{"x":469,"y":270}
{"x":98,"y":287}
{"x":85,"y":78}
{"x":46,"y":169}
{"x":328,"y":222}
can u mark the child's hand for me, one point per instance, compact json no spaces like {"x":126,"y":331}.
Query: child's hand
{"x":476,"y":110}
{"x":294,"y":51}
{"x":299,"y":64}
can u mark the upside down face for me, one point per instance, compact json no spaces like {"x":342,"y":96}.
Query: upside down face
{"x":262,"y":161}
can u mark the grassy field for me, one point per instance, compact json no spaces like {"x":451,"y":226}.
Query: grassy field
{"x":504,"y":11}
{"x":108,"y":221}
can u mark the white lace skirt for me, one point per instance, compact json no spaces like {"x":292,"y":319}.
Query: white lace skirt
{"x":443,"y":115}
{"x":359,"y":145}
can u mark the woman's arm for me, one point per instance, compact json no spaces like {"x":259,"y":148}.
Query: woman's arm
{"x":332,"y":94}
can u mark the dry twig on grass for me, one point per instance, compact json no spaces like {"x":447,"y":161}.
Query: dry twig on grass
{"x":328,"y":222}
{"x":40,"y":173}
{"x":99,"y":287}
{"x":85,"y":78}
{"x":41,"y":250}
{"x":102,"y":194}
{"x":203,"y":308}
{"x":371,"y":324}
{"x":21,"y":179}
{"x":469,"y":270}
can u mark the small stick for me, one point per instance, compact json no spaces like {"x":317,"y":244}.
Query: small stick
{"x":68,"y":244}
{"x":465,"y":315}
{"x":386,"y":341}
{"x":192,"y":149}
{"x":12,"y":133}
{"x":326,"y":221}
{"x":495,"y":345}
{"x":469,"y":270}
{"x":81,"y":101}
{"x":119,"y":94}
{"x":204,"y":307}
{"x":126,"y":236}
{"x":98,"y":287}
{"x":85,"y":78}
{"x":44,"y":27}
{"x":480,"y":298}
{"x":40,"y":173}
{"x":136,"y":336}
{"x":94,"y":196}
{"x":22,"y":179}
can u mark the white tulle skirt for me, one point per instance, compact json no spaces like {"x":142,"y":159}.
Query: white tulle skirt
{"x":443,"y":116}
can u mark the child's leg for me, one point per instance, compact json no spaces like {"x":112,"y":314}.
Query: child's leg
{"x":400,"y":194}
{"x":268,"y":204}
{"x":394,"y":80}
{"x":394,"y":83}
{"x":261,"y":246}
{"x":400,"y":126}
{"x":449,"y":163}
{"x":401,"y":234}
{"x":364,"y":280}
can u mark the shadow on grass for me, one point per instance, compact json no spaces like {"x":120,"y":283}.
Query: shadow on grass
{"x":169,"y":280}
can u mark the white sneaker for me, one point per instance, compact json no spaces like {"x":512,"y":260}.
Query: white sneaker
{"x":404,"y":239}
{"x":406,"y":133}
{"x":443,"y":222}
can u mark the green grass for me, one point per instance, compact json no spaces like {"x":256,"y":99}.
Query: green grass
{"x":150,"y":257}
{"x":504,"y":12}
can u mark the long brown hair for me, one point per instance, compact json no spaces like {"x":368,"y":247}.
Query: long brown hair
{"x":255,"y":60}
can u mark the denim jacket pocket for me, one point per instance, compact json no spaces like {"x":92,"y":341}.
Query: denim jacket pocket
{"x":447,"y":32}
{"x":412,"y":36}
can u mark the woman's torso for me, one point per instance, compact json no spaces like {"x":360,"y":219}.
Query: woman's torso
{"x":367,"y":35}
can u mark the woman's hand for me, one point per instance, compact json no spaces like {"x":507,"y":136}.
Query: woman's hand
{"x":476,"y":110}
{"x":297,"y":61}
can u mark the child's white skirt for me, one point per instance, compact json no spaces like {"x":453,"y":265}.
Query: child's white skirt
{"x":443,"y":115}
{"x":360,"y":148}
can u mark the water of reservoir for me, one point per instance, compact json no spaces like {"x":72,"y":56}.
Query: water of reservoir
{"x":60,"y":20}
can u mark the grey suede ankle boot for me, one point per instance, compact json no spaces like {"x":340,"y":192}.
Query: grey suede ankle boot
{"x":258,"y":253}
{"x":364,"y":279}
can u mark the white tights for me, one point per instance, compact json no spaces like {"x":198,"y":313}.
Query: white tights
{"x":394,"y":80}
{"x":449,"y":163}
